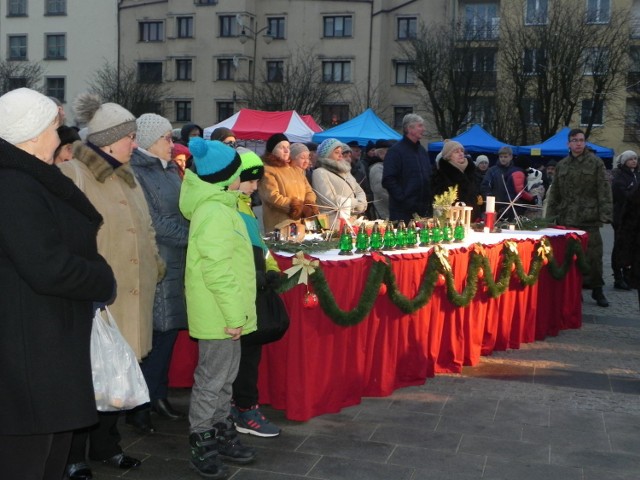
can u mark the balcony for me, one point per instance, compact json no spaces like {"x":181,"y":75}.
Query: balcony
{"x":480,"y":30}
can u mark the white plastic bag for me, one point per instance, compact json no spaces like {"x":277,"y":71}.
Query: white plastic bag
{"x":117,"y":379}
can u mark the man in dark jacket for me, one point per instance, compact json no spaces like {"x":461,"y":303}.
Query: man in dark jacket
{"x":494,"y":182}
{"x":407,"y":173}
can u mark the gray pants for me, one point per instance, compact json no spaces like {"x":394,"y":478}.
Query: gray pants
{"x":213,"y":380}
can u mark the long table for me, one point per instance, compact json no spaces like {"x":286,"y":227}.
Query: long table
{"x":320,"y":367}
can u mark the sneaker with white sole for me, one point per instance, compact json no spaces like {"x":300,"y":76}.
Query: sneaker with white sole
{"x":253,"y":422}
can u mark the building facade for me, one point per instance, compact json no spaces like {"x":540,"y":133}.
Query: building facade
{"x":70,"y":39}
{"x":212,"y":54}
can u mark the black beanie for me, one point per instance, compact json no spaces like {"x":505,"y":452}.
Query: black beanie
{"x":67,"y":135}
{"x":274,"y":140}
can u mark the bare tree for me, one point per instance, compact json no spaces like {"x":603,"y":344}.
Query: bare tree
{"x":558,"y":61}
{"x":457,"y":68}
{"x":294,"y":84}
{"x":356,"y":96}
{"x":125,"y":88}
{"x":20,"y":74}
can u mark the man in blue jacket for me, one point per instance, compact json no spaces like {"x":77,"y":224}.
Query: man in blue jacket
{"x":407,"y":173}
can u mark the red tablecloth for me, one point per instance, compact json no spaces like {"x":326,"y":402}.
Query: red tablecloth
{"x":320,"y":367}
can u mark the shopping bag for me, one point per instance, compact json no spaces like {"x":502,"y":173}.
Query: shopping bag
{"x":117,"y":379}
{"x":273,"y":320}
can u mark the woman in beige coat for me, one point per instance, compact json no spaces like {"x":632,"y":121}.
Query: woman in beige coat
{"x":284,"y":189}
{"x":127,"y":241}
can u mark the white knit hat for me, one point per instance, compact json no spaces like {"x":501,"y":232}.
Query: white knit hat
{"x":25,"y":114}
{"x":106,"y":122}
{"x":150,"y":128}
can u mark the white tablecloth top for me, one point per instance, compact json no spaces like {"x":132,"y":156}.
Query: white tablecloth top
{"x":473,"y":237}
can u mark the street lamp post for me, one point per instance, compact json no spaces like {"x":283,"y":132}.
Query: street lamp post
{"x":249,"y":33}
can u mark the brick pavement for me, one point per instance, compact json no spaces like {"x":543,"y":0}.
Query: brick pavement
{"x":567,"y":408}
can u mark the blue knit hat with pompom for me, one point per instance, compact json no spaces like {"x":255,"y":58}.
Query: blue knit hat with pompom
{"x":215,"y":162}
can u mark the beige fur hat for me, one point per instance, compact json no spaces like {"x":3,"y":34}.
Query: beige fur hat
{"x":106,"y":122}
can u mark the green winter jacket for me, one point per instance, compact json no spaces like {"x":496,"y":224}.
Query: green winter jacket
{"x":580,"y":195}
{"x":220,"y":275}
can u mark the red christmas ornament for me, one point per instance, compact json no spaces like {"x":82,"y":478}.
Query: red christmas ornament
{"x":575,"y":257}
{"x":545,"y":261}
{"x":382,"y":290}
{"x":441,"y":280}
{"x":513,"y":267}
{"x":310,"y":300}
{"x":481,"y":272}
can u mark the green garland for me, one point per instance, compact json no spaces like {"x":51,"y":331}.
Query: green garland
{"x":381,"y":272}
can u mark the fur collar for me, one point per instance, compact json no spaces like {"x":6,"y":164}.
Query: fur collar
{"x":99,"y":167}
{"x":334,"y":166}
{"x":50,"y":176}
{"x":273,"y":161}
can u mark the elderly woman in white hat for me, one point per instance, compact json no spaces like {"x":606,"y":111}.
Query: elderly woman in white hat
{"x":160,"y":181}
{"x":100,"y":167}
{"x":50,"y":273}
{"x":339,"y":193}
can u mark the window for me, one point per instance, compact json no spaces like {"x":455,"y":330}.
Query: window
{"x":206,"y":2}
{"x":184,"y":69}
{"x":151,"y":31}
{"x":632,"y":120}
{"x":56,"y":47}
{"x":531,"y":111}
{"x":481,"y":21}
{"x":55,"y":88}
{"x":17,"y":82}
{"x":536,"y":12}
{"x":275,"y":71}
{"x":276,"y":27}
{"x":336,"y":72}
{"x":596,"y":61}
{"x":398,"y":116}
{"x":334,"y":114}
{"x":592,"y":111}
{"x":598,"y":11}
{"x":17,"y":8}
{"x":228,"y":26}
{"x":56,"y":7}
{"x":17,"y":47}
{"x":480,"y":60}
{"x":185,"y":27}
{"x":533,"y":61}
{"x":225,"y":69}
{"x":481,"y":111}
{"x":405,"y":74}
{"x":339,"y":26}
{"x":407,"y":28}
{"x":150,"y":72}
{"x":225,"y":110}
{"x":183,"y":111}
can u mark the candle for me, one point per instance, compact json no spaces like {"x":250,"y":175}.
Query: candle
{"x":491,"y":204}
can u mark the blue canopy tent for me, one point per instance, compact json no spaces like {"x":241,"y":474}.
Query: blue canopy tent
{"x":557,"y":146}
{"x":364,"y":128}
{"x":474,"y":140}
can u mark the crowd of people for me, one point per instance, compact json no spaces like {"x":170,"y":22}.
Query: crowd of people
{"x":161,"y":229}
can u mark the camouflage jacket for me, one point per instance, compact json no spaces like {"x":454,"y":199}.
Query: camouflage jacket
{"x":580,"y":195}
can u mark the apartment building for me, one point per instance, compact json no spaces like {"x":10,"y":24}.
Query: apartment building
{"x":212,"y":53}
{"x":70,"y":39}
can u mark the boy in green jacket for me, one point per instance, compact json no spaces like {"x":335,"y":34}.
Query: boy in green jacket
{"x":220,"y":276}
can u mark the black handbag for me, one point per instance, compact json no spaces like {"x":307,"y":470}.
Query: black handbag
{"x":273,"y":319}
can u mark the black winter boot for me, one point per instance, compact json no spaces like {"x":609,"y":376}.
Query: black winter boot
{"x":599,"y":297}
{"x":204,"y":455}
{"x":619,"y":281}
{"x":229,"y":446}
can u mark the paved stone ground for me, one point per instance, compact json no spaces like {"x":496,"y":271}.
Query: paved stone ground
{"x":567,"y":408}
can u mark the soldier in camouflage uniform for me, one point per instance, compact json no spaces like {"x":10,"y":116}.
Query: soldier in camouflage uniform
{"x":580,"y":197}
